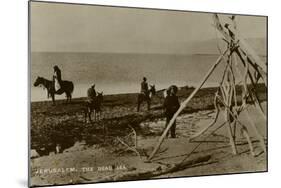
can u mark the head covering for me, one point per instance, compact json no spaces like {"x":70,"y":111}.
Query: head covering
{"x":173,"y":87}
{"x":56,"y":67}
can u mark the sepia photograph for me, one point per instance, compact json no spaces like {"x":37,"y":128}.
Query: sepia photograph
{"x":123,"y":94}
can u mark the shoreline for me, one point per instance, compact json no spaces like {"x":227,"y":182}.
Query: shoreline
{"x":158,"y":92}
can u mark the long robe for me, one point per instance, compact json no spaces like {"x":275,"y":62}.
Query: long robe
{"x":57,"y":79}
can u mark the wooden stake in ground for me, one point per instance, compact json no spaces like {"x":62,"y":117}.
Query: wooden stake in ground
{"x":246,"y":135}
{"x":184,"y":103}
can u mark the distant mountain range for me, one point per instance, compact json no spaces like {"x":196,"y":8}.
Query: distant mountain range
{"x":214,"y":45}
{"x":207,"y":47}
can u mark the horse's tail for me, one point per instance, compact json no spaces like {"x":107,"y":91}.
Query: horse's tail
{"x":71,"y":87}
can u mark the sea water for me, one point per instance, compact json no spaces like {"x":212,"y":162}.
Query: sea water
{"x":115,"y":73}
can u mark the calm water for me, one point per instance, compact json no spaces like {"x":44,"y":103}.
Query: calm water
{"x":121,"y":73}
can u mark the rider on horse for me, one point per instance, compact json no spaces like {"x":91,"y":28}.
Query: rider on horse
{"x":145,"y":93}
{"x":144,"y":87}
{"x":57,"y":78}
{"x":91,"y":93}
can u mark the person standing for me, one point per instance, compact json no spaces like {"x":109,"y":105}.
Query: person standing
{"x":171,"y":106}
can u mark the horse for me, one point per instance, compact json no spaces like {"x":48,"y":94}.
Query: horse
{"x":166,"y":92}
{"x":95,"y":106}
{"x":67,"y":87}
{"x":146,"y":97}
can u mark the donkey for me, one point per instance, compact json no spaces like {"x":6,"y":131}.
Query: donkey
{"x":67,"y":87}
{"x":146,"y":97}
{"x":94,"y":106}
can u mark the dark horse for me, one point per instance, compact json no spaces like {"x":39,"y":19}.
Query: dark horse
{"x":94,"y":106}
{"x":67,"y":87}
{"x":146,"y":97}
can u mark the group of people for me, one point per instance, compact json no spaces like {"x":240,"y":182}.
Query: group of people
{"x":171,"y":103}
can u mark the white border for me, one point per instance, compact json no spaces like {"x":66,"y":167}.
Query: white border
{"x":13,"y":94}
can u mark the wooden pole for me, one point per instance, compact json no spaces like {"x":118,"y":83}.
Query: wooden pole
{"x":228,"y":101}
{"x":246,"y":135}
{"x":258,"y":105}
{"x":184,"y":103}
{"x":243,"y":46}
{"x":255,"y":99}
{"x":248,"y":50}
{"x":212,"y":123}
{"x":260,"y":137}
{"x":231,"y":139}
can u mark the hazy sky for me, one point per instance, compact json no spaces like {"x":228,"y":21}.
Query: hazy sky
{"x":64,"y":28}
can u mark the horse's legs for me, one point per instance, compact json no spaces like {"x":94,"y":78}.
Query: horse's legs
{"x":68,"y":97}
{"x":89,"y":114}
{"x":85,"y":115}
{"x":139,"y":103}
{"x":148,"y":104}
{"x":99,"y":115}
{"x":53,"y":98}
